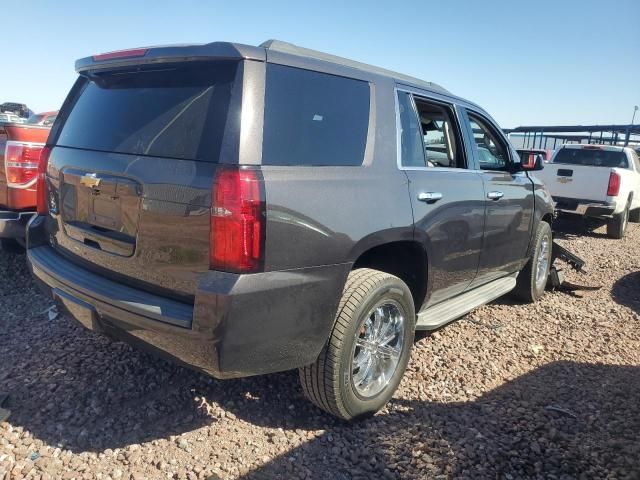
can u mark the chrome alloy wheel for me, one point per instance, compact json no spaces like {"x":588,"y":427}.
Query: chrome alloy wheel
{"x":377,"y":350}
{"x":544,"y":259}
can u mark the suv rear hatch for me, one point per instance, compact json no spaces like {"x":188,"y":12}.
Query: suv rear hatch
{"x":131,"y":170}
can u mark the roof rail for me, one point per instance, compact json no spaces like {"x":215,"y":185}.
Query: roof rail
{"x":285,"y":47}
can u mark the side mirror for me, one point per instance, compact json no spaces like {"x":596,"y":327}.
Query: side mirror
{"x":533,"y":163}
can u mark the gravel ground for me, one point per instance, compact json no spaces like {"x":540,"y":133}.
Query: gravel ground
{"x":511,"y":391}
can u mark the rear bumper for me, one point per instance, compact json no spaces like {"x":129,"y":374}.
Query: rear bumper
{"x":585,"y":208}
{"x":14,"y":224}
{"x":239,"y":325}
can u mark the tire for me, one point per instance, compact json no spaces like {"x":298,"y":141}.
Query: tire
{"x":330,"y":383}
{"x":617,"y":226}
{"x":634,"y":215}
{"x":10,"y":245}
{"x":530,"y":285}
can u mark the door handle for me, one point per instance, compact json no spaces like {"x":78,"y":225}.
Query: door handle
{"x":429,"y":197}
{"x":495,"y":195}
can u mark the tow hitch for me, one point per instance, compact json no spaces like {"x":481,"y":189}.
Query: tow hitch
{"x":556,"y":279}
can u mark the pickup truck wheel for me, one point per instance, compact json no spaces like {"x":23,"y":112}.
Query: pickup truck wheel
{"x":364,"y":360}
{"x":634,"y":215}
{"x":532,"y":279}
{"x":617,"y":226}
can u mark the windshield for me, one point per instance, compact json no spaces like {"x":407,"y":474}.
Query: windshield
{"x":593,"y":157}
{"x":171,"y":111}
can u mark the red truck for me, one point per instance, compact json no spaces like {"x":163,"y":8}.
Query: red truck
{"x":20,"y":147}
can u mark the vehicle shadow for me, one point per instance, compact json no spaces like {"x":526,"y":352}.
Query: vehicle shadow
{"x":533,"y":426}
{"x":74,"y":388}
{"x":567,"y":227}
{"x":626,"y":291}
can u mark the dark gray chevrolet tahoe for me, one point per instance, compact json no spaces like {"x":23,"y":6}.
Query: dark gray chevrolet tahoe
{"x":249,"y":210}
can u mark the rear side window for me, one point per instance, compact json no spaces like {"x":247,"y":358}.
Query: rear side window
{"x":593,"y":157}
{"x":314,"y":118}
{"x":177,"y":111}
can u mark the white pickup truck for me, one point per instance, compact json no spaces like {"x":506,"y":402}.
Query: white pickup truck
{"x":597,"y":181}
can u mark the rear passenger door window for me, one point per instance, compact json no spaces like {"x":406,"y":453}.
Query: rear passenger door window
{"x":429,"y":136}
{"x":314,"y":119}
{"x":491,"y":150}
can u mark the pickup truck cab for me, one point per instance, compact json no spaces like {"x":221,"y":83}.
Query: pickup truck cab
{"x":596,"y":181}
{"x":20,"y":147}
{"x":248,"y":210}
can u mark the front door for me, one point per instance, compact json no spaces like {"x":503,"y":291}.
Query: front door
{"x":447,"y":197}
{"x":509,"y":201}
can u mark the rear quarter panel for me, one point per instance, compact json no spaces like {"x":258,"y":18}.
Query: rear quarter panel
{"x":320,"y":215}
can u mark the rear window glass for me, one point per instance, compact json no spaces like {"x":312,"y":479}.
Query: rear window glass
{"x":313,"y":118}
{"x":591,"y":157}
{"x":169,"y":111}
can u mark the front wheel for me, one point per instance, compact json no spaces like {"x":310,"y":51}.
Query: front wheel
{"x":364,"y":360}
{"x":532,"y":280}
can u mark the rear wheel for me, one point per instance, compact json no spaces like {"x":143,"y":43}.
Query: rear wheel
{"x":617,"y":226}
{"x":364,"y":360}
{"x":634,"y":215}
{"x":532,"y":280}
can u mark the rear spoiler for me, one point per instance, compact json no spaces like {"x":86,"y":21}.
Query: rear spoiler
{"x":170,"y":53}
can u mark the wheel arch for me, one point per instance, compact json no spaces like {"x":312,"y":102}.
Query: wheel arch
{"x":406,"y":259}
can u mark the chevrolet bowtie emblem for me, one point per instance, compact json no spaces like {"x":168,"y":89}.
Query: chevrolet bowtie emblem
{"x":90,"y":180}
{"x":565,"y":179}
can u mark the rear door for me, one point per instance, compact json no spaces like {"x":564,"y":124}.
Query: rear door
{"x":509,"y":200}
{"x":447,"y":197}
{"x":132,"y":167}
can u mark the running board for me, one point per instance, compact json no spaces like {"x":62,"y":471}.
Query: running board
{"x":444,"y":312}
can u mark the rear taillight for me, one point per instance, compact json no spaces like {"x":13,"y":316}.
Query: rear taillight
{"x":41,"y":182}
{"x":236,"y":237}
{"x":21,"y":163}
{"x":614,"y":184}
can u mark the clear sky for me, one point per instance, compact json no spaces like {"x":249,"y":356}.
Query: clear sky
{"x":535,"y":62}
